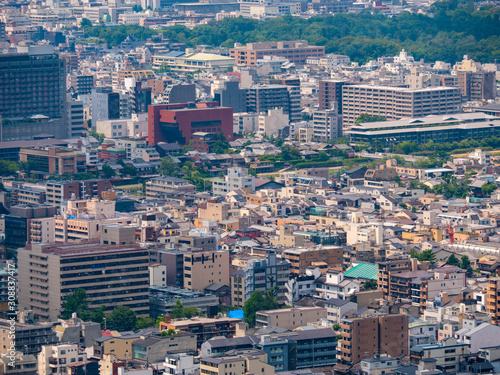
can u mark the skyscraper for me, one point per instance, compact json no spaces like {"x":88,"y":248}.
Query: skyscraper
{"x":32,"y":93}
{"x":105,"y":104}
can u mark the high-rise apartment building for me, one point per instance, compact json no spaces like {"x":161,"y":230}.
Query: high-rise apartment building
{"x":476,"y":86}
{"x":330,"y":92}
{"x":327,"y":125}
{"x":76,"y":121}
{"x":203,"y":268}
{"x":262,"y":98}
{"x":105,"y":104}
{"x":33,"y":83}
{"x":81,"y":84}
{"x":140,"y":98}
{"x":300,"y":259}
{"x":32,"y":93}
{"x":388,"y":268}
{"x":397,"y":102}
{"x":364,"y":337}
{"x":112,"y":275}
{"x":265,"y":274}
{"x":296,"y":51}
{"x":493,"y":300}
{"x":231,"y":96}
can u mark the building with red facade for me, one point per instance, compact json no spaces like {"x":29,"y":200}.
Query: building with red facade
{"x":178,"y":122}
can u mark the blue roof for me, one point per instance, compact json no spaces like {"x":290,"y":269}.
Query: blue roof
{"x":237,"y":314}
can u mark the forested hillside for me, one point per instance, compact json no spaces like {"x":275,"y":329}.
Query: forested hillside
{"x":451,"y":31}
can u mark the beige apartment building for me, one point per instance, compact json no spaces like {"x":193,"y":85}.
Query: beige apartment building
{"x":159,"y":186}
{"x":290,"y":318}
{"x":395,"y":103}
{"x":213,"y":210}
{"x":246,"y":362}
{"x":300,"y":259}
{"x":296,"y":51}
{"x":493,"y":299}
{"x":112,"y":275}
{"x":202,"y":268}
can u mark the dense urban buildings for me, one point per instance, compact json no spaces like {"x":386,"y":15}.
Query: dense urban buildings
{"x":186,"y":191}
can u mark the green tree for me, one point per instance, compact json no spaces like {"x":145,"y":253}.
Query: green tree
{"x":129,"y":170}
{"x":75,"y":302}
{"x":168,"y":167}
{"x":464,"y":262}
{"x":137,"y":8}
{"x":159,"y":320}
{"x":169,"y":332}
{"x":221,"y":145}
{"x":424,"y":256}
{"x":85,"y":23}
{"x":487,"y":189}
{"x":99,"y":136}
{"x":8,"y":168}
{"x":144,"y":322}
{"x":179,"y":311}
{"x":259,"y":301}
{"x":366,"y":117}
{"x":452,"y":260}
{"x":107,"y":171}
{"x":252,"y":172}
{"x":122,"y":318}
{"x":188,"y":147}
{"x":370,"y":285}
{"x":342,"y":141}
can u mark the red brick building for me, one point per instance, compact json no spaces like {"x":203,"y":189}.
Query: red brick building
{"x":178,"y":122}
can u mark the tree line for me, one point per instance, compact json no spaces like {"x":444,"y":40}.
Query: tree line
{"x":451,"y":30}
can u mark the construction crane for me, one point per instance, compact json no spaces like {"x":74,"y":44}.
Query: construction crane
{"x":451,"y":233}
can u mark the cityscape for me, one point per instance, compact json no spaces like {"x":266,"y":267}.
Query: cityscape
{"x":249,"y":187}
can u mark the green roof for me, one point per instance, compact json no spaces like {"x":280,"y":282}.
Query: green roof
{"x":363,"y":271}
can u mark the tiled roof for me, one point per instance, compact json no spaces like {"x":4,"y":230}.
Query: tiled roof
{"x":363,"y":271}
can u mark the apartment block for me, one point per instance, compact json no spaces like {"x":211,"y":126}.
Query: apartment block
{"x":21,"y":194}
{"x":365,"y":337}
{"x":297,"y":51}
{"x":112,"y":275}
{"x":204,"y":328}
{"x":159,"y":186}
{"x":243,"y":362}
{"x":55,"y":359}
{"x":327,"y":125}
{"x":448,"y":354}
{"x":266,"y":274}
{"x":493,"y":300}
{"x":236,"y":178}
{"x":30,"y":338}
{"x":238,"y":288}
{"x":33,"y":83}
{"x":54,"y":160}
{"x":330,"y":94}
{"x":395,"y":103}
{"x":290,"y":318}
{"x":477,"y":86}
{"x":203,"y":268}
{"x":263,"y":98}
{"x":300,"y":259}
{"x":59,"y":191}
{"x":385,"y":269}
